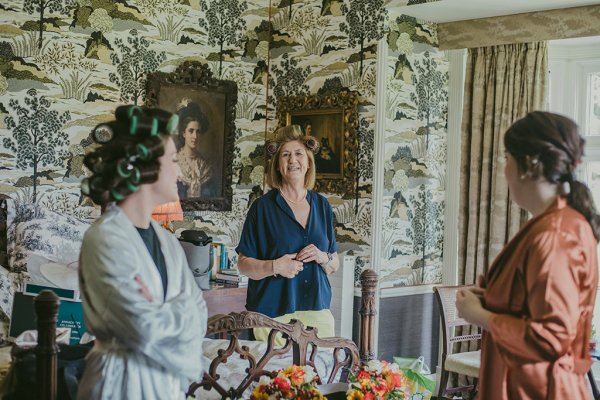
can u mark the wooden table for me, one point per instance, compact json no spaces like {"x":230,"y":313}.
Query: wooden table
{"x":223,"y":300}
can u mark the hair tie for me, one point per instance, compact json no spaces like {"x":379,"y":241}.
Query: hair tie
{"x":116,"y":195}
{"x":565,"y":188}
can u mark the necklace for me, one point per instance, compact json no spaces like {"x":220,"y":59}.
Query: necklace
{"x":292,"y":201}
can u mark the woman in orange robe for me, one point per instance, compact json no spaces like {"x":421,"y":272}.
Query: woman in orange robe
{"x":537,"y":300}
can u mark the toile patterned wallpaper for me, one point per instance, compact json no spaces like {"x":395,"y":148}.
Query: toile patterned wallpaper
{"x":95,"y":54}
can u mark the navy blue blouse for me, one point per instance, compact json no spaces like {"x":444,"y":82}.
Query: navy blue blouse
{"x":271,"y":231}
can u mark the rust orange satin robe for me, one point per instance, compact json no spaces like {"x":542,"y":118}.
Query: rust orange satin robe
{"x":542,"y":288}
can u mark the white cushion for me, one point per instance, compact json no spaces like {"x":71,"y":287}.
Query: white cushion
{"x":466,"y":363}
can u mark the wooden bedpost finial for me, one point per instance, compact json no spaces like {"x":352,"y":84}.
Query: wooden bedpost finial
{"x":368,"y":281}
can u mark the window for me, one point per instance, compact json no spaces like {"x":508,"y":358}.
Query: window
{"x":575,"y":91}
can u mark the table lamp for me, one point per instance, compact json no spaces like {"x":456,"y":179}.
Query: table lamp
{"x":167,"y":213}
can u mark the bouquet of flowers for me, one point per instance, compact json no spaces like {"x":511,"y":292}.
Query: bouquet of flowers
{"x":293,"y":382}
{"x":378,"y":380}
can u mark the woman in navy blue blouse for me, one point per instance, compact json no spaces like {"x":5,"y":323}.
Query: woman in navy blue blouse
{"x":288,"y":244}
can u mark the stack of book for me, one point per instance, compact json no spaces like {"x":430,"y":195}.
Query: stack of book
{"x":231,"y":277}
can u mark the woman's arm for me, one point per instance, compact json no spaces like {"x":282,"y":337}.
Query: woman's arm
{"x":553,"y":284}
{"x":286,"y":266}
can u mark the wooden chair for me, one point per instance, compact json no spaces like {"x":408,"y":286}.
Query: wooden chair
{"x":347,"y":355}
{"x":463,"y":363}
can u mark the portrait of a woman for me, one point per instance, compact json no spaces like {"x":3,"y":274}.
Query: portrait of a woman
{"x":198,"y":177}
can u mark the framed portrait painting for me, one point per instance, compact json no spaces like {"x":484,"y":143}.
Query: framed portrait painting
{"x":333,"y":121}
{"x":205,"y":136}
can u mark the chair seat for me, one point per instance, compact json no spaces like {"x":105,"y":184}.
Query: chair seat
{"x":466,"y":363}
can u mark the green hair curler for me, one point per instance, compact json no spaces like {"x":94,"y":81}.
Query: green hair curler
{"x":134,"y":125}
{"x":116,"y":195}
{"x":131,"y":186}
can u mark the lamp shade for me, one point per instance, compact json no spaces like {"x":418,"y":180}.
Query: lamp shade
{"x":168,"y":212}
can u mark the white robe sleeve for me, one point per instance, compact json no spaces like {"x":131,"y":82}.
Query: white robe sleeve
{"x":169,"y":333}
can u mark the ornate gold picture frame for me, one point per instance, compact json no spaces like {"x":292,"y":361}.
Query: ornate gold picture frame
{"x":333,"y":120}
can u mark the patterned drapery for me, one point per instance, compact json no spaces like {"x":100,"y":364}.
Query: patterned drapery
{"x":502,"y":84}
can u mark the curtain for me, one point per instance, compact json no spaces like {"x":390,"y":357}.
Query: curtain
{"x":502,"y":84}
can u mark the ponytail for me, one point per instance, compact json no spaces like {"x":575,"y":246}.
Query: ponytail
{"x":580,"y":198}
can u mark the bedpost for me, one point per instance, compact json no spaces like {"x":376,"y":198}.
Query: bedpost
{"x":46,"y":310}
{"x":368,"y":283}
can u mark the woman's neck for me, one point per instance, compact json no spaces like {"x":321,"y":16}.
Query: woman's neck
{"x":138,"y":210}
{"x":295,"y":192}
{"x":188,"y":151}
{"x":541,"y":196}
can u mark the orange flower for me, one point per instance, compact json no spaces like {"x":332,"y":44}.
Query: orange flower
{"x":282,"y":384}
{"x":369,"y":396}
{"x":363,"y":375}
{"x":295,"y":374}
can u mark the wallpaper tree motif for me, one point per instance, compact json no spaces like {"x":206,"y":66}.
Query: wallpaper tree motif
{"x":429,"y":96}
{"x":46,"y":6}
{"x":426,"y":231}
{"x":289,"y":79}
{"x":224,"y":24}
{"x":136,"y":62}
{"x":364,"y":24}
{"x":38,"y":139}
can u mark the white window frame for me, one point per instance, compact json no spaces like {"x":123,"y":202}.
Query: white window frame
{"x":569,"y":68}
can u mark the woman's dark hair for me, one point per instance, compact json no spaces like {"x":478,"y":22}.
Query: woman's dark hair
{"x":127,"y":157}
{"x":187,"y":114}
{"x":549,"y":145}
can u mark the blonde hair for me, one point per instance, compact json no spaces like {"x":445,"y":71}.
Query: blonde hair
{"x":285,"y":135}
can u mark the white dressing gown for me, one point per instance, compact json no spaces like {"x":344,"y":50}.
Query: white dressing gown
{"x":143,"y":350}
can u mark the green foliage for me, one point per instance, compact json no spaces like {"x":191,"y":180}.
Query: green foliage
{"x":61,"y":58}
{"x":27,"y":46}
{"x":426,"y":220}
{"x":289,"y":78}
{"x":429,"y":96}
{"x":134,"y":65}
{"x":46,"y":6}
{"x":100,"y":21}
{"x":224,"y":24}
{"x":308,"y":27}
{"x":167,"y":14}
{"x":248,"y":94}
{"x":38,"y":139}
{"x":365,"y":22}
